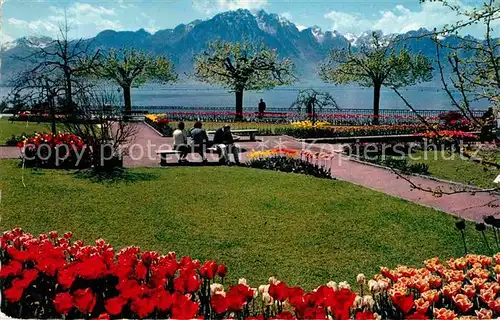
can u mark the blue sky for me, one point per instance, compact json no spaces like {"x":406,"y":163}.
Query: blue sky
{"x":88,"y":17}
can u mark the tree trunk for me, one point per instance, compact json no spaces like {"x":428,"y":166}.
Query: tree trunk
{"x":69,"y":97}
{"x":128,"y":103}
{"x":52,"y":116}
{"x":239,"y":105}
{"x":376,"y":102}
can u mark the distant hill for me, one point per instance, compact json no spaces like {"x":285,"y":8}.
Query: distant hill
{"x":306,"y":47}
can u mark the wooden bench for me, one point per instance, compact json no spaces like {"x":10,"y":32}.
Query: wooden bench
{"x":251,"y":132}
{"x":164,"y":153}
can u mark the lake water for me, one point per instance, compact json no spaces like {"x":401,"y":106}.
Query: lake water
{"x":425,"y":97}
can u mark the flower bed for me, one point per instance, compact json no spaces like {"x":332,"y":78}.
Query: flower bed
{"x":52,"y":276}
{"x":285,"y":160}
{"x":449,"y":135}
{"x":63,"y":150}
{"x":322,"y":129}
{"x":160,"y":122}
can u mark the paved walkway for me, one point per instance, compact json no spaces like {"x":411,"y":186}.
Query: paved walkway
{"x":469,"y":206}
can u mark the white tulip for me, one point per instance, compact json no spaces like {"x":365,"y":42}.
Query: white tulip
{"x":332,"y":284}
{"x":368,"y":301}
{"x":273,"y":280}
{"x":383,"y":285}
{"x":216,"y":288}
{"x":344,"y":285}
{"x":264,"y":288}
{"x":268,"y":300}
{"x":358,"y":301}
{"x":373,"y":286}
{"x":361,"y":278}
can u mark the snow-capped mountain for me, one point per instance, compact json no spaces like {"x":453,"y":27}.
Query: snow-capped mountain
{"x":307,"y":46}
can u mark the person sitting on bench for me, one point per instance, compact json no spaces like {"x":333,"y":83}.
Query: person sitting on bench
{"x":223,"y":140}
{"x":180,"y":142}
{"x":200,"y":140}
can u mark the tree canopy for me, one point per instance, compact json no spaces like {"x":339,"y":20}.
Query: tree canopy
{"x":375,"y":65}
{"x":131,"y":68}
{"x":241,"y":66}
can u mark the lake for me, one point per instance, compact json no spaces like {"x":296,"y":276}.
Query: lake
{"x":424,"y":97}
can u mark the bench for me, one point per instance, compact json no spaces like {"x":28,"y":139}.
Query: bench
{"x":164,"y":153}
{"x":251,"y":132}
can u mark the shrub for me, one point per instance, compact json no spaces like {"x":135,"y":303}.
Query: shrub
{"x":14,"y":140}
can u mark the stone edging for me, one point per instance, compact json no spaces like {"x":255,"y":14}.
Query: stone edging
{"x":154,"y":129}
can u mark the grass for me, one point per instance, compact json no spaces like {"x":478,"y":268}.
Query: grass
{"x":17,"y":128}
{"x":452,"y":167}
{"x":304,"y":230}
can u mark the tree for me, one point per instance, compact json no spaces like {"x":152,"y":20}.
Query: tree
{"x":63,"y":58}
{"x":101,"y":127}
{"x":475,"y":63}
{"x":313,"y":100}
{"x":473,"y":72}
{"x":131,"y":69}
{"x":39,"y":89}
{"x":375,"y":65}
{"x":242,"y":66}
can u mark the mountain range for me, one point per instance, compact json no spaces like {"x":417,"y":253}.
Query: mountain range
{"x":307,"y":47}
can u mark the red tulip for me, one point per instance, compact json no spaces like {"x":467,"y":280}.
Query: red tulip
{"x":208,"y":270}
{"x":341,"y":301}
{"x":404,"y":303}
{"x":141,"y":270}
{"x":104,"y":316}
{"x":114,"y":305}
{"x":278,"y":291}
{"x":84,"y":300}
{"x":364,"y":315}
{"x":143,"y":307}
{"x":14,"y":293}
{"x":222,"y":270}
{"x":163,"y":300}
{"x":183,"y":308}
{"x":13,"y":268}
{"x":417,"y":316}
{"x":63,"y":302}
{"x":219,"y":303}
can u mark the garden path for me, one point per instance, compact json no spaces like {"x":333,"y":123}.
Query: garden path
{"x":465,"y":205}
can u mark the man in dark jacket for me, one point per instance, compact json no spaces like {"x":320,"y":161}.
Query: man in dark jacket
{"x":223,"y":140}
{"x":200,"y":140}
{"x":262,"y":108}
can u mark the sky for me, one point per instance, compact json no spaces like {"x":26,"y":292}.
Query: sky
{"x":89,"y":17}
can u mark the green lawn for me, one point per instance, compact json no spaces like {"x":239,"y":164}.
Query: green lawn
{"x":457,"y":169}
{"x":17,"y":128}
{"x":260,"y":223}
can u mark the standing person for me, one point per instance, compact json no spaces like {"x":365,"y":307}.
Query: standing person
{"x":180,"y":142}
{"x":200,"y":140}
{"x":488,"y":128}
{"x":262,"y":108}
{"x":223,"y":140}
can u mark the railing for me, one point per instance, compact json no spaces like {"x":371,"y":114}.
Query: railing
{"x":341,"y":116}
